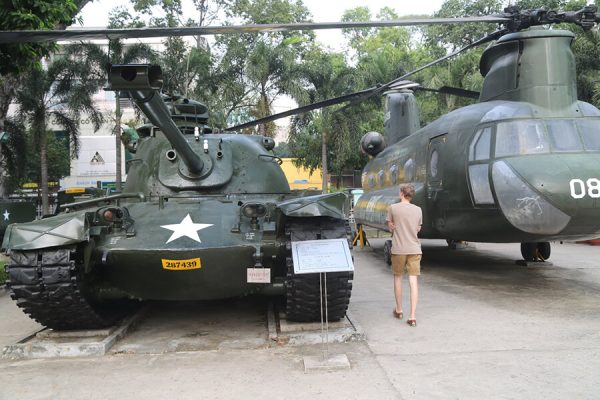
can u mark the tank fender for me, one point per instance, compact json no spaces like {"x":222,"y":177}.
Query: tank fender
{"x":60,"y":230}
{"x":322,"y":205}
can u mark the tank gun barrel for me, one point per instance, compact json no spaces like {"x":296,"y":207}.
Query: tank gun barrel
{"x":143,"y":82}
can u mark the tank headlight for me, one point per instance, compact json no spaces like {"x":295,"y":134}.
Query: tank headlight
{"x":254,"y":210}
{"x":111,"y":214}
{"x":108,"y":215}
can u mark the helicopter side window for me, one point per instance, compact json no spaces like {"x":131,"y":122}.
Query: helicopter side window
{"x":480,"y":184}
{"x":394,"y":174}
{"x":433,"y":164}
{"x":480,"y":148}
{"x":371,"y":181}
{"x":520,"y":137}
{"x":590,"y":133}
{"x":381,"y":178}
{"x":409,"y":170}
{"x":563,"y":136}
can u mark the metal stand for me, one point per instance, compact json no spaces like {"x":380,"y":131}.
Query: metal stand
{"x":324,"y":338}
{"x":361,"y":237}
{"x":325,"y":363}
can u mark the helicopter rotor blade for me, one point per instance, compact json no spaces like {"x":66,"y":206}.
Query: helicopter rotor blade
{"x":87,"y":34}
{"x":492,"y":36}
{"x":300,"y":110}
{"x":357,"y":97}
{"x":454,"y":91}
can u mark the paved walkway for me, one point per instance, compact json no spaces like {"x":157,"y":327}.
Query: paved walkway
{"x":487,"y":329}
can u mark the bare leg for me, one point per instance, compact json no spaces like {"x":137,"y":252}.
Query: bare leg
{"x":398,"y":292}
{"x":414,"y":295}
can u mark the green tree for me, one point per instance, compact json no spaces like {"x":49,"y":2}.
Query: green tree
{"x":32,"y":15}
{"x":255,"y":68}
{"x":57,"y":150}
{"x":322,"y":76}
{"x":59,"y":95}
{"x":116,"y":53}
{"x":16,"y":58}
{"x":13,"y":151}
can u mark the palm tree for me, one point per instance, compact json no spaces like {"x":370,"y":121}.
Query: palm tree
{"x":321,"y":77}
{"x":116,"y":53}
{"x":60,"y":94}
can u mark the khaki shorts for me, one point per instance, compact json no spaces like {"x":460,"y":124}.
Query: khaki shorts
{"x":410,"y":263}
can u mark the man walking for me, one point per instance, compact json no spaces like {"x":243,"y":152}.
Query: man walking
{"x":404,"y":222}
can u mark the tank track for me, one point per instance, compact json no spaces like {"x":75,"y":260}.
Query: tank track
{"x":303,"y":294}
{"x":46,"y":285}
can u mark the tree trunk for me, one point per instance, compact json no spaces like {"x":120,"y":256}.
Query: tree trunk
{"x":324,"y":161}
{"x":117,"y":130}
{"x":8,"y":85}
{"x":44,"y":171}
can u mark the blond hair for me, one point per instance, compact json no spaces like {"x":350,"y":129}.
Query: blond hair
{"x":408,"y":191}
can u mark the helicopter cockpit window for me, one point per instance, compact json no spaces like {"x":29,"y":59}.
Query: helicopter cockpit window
{"x":480,"y":148}
{"x":371,"y":181}
{"x":590,"y":133}
{"x":521,"y":137}
{"x":563,"y":136}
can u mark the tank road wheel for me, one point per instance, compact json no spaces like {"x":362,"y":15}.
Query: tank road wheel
{"x":48,"y":286}
{"x":303,"y":300}
{"x":387,"y":252}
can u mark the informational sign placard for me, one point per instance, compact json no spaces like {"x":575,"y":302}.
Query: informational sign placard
{"x":327,"y":255}
{"x":259,"y":275}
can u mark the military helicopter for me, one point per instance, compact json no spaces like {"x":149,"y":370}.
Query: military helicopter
{"x":196,"y":212}
{"x":518,"y":166}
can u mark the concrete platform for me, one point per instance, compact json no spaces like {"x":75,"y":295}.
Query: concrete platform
{"x":287,"y":332}
{"x":48,"y":343}
{"x":337,"y":362}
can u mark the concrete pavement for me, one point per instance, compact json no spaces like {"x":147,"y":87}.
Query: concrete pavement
{"x":487,"y":328}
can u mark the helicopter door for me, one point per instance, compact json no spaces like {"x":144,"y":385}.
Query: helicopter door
{"x":435,"y":181}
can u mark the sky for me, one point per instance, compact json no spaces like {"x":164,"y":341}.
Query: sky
{"x":95,"y":14}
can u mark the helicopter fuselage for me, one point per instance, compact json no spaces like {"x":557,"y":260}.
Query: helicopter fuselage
{"x":493,"y":172}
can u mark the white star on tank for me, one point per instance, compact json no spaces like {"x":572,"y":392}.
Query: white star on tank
{"x":6,"y":215}
{"x":185,"y":228}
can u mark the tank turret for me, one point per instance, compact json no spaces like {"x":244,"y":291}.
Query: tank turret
{"x":143,"y":82}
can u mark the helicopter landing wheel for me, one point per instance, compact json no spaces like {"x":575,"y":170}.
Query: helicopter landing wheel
{"x":387,"y":252}
{"x":543,"y":250}
{"x":535,"y":251}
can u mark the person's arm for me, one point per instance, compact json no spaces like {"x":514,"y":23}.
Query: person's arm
{"x":390,"y":220}
{"x":420,"y":222}
{"x":391,"y":226}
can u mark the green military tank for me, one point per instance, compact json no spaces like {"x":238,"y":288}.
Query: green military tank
{"x":198,"y":211}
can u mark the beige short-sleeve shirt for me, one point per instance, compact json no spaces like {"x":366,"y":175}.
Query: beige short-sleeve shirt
{"x":408,"y":219}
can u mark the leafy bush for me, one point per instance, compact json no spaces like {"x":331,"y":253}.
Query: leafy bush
{"x":3,"y":275}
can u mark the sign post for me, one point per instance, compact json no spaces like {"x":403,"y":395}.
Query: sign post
{"x":322,"y":257}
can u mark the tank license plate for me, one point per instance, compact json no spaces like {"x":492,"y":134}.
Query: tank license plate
{"x":181,"y":265}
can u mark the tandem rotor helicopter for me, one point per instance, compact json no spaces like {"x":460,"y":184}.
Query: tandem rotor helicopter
{"x":518,"y":166}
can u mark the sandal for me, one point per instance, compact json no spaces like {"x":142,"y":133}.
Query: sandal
{"x":411,"y":322}
{"x":398,"y":315}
